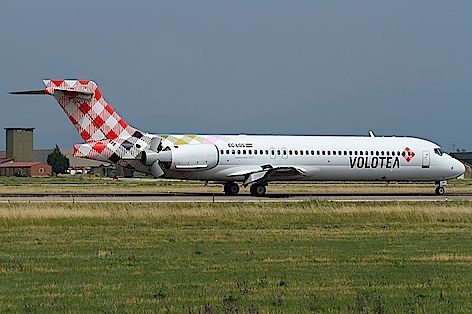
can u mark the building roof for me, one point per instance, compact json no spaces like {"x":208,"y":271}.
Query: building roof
{"x":20,"y":164}
{"x":2,"y":160}
{"x":21,"y":129}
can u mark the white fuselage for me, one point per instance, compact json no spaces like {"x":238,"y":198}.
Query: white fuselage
{"x":319,"y":158}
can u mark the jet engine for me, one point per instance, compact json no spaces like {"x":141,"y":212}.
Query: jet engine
{"x":189,"y":157}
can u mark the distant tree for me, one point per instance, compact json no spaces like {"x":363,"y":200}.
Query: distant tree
{"x":58,"y":161}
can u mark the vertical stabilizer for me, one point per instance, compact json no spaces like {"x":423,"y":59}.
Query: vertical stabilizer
{"x":84,"y":105}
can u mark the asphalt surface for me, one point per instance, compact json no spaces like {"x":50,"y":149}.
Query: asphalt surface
{"x":219,"y":197}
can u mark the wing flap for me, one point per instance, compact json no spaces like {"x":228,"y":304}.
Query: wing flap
{"x":266,"y":174}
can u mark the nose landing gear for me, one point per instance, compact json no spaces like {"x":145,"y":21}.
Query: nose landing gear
{"x":440,"y":190}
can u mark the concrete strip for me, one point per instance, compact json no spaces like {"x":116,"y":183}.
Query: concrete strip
{"x":220,"y":198}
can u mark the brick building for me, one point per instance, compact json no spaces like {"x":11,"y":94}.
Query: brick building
{"x":25,"y":169}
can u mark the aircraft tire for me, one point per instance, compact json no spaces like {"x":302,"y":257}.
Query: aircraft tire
{"x":231,"y":188}
{"x":440,"y":190}
{"x":258,"y":189}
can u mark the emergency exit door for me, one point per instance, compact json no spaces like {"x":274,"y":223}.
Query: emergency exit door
{"x":426,"y":160}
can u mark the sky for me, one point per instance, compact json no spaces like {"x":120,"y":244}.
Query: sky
{"x":253,"y":67}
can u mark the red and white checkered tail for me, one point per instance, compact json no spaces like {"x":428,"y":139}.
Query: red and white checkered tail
{"x":92,"y":116}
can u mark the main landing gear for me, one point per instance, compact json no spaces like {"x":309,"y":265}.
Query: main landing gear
{"x":440,"y":190}
{"x":231,"y":188}
{"x":258,"y":189}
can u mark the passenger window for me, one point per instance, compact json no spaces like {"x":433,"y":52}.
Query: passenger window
{"x":244,"y":152}
{"x":345,"y":152}
{"x":334,"y":152}
{"x":329,"y":152}
{"x":350,"y":152}
{"x":361,"y":153}
{"x":273,"y":152}
{"x":255,"y":152}
{"x":403,"y":154}
{"x":290,"y":152}
{"x":261,"y":152}
{"x":301,"y":152}
{"x":382,"y":153}
{"x":377,"y":153}
{"x":317,"y":152}
{"x":267,"y":152}
{"x":366,"y":152}
{"x":222,"y":152}
{"x":312,"y":152}
{"x":233,"y":152}
{"x":372,"y":152}
{"x":323,"y":153}
{"x":239,"y":152}
{"x":393,"y":153}
{"x":285,"y":152}
{"x":355,"y":152}
{"x":296,"y":152}
{"x":278,"y":152}
{"x":388,"y":153}
{"x":249,"y":152}
{"x":340,"y":153}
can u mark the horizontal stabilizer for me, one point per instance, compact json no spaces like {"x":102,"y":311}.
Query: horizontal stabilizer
{"x":30,"y":92}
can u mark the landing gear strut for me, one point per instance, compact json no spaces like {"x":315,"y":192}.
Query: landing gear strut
{"x":440,"y":190}
{"x":231,"y":188}
{"x":258,"y":189}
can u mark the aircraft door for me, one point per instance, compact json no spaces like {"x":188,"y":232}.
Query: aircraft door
{"x":284,"y":153}
{"x":426,"y":159}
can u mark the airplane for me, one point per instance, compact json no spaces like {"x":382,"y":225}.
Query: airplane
{"x":253,"y":160}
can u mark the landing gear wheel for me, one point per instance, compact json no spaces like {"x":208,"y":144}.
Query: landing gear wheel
{"x":258,"y":189}
{"x":231,"y":188}
{"x":440,"y":190}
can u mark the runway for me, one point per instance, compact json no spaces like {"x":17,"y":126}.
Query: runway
{"x":221,"y":198}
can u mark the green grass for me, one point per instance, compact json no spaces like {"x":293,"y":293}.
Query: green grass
{"x":303,"y":257}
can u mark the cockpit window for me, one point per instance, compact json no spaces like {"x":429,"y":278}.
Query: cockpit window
{"x":438,"y":151}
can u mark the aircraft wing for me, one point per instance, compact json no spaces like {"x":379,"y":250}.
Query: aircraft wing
{"x":268,"y":173}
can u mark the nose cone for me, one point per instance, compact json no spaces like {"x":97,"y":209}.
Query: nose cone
{"x":457,"y":168}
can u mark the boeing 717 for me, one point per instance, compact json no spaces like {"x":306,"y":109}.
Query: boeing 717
{"x":253,"y":160}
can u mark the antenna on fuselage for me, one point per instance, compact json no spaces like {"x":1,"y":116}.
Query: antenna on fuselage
{"x":371,"y":133}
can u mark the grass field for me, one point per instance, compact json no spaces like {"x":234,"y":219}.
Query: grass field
{"x":370,"y":257}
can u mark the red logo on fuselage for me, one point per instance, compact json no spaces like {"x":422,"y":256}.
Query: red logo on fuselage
{"x":408,"y":154}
